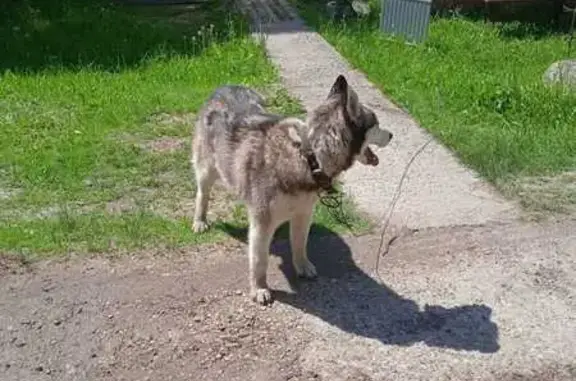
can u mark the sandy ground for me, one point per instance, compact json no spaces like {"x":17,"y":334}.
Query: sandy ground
{"x":469,"y":303}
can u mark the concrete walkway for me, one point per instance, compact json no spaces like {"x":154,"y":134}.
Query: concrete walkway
{"x":438,"y":191}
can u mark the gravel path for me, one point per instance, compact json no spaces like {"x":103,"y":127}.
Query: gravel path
{"x":484,"y":303}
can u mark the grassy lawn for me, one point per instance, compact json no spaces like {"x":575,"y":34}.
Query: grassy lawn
{"x":478,"y":88}
{"x":96,"y":106}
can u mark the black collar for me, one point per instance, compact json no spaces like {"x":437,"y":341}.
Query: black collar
{"x":322,"y":180}
{"x":320,"y":177}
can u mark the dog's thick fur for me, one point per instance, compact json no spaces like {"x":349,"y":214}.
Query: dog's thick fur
{"x":265,"y":161}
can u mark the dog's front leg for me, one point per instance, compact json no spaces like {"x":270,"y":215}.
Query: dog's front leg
{"x":259,"y":240}
{"x":299,"y":230}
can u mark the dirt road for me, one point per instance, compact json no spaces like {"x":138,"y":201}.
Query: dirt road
{"x":470,"y":303}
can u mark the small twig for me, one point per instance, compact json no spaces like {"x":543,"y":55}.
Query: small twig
{"x":334,"y":204}
{"x":397,"y":195}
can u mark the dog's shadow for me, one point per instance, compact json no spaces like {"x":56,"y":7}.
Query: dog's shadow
{"x":346,"y":297}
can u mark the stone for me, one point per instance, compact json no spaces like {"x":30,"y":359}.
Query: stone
{"x":361,"y":8}
{"x":562,"y":73}
{"x":342,"y":9}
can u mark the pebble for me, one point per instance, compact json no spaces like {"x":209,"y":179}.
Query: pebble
{"x":20,"y":344}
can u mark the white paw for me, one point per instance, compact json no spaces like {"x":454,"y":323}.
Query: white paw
{"x":200,"y":226}
{"x":262,"y":296}
{"x":306,"y":269}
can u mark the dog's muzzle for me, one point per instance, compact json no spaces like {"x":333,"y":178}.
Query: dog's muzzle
{"x":378,"y":137}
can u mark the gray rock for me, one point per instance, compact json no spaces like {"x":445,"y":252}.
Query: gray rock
{"x":362,"y":8}
{"x":342,"y":9}
{"x":561,"y":73}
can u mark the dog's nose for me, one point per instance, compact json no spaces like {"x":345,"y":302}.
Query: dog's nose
{"x":391,"y":135}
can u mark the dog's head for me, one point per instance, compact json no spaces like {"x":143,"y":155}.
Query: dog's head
{"x":342,"y":129}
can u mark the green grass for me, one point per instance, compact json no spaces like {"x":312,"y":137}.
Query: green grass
{"x":477,"y":87}
{"x":85,"y":87}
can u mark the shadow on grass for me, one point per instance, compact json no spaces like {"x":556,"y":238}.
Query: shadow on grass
{"x":528,"y":29}
{"x":533,"y":31}
{"x":76,"y":34}
{"x":525,"y":23}
{"x":346,"y":297}
{"x":514,"y":21}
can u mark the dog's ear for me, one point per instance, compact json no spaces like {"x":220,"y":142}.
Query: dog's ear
{"x":353,"y":103}
{"x":339,"y":89}
{"x":346,"y":95}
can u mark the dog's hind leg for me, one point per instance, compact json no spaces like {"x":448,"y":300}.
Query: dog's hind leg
{"x":206,"y":175}
{"x":260,"y":236}
{"x":299,"y":230}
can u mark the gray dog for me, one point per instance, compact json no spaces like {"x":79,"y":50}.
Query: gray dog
{"x":278,"y":166}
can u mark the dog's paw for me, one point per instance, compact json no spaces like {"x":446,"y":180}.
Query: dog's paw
{"x":262,"y":296}
{"x":306,"y":270}
{"x":200,"y":226}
